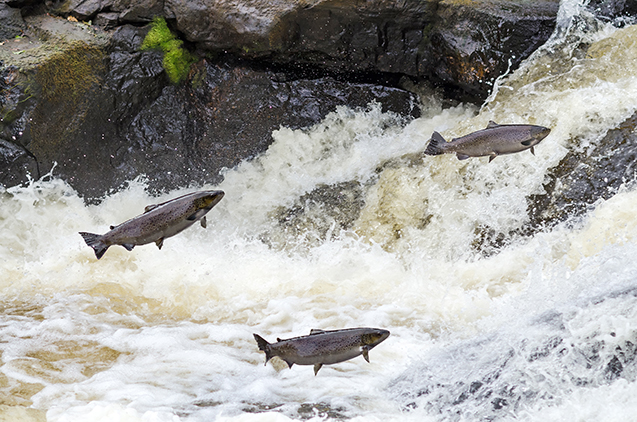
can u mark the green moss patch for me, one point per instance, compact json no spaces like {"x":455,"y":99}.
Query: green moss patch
{"x":177,"y":60}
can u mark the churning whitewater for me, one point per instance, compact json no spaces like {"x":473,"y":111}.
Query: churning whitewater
{"x":347,"y":224}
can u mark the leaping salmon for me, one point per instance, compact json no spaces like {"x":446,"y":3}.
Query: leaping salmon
{"x":323,"y":347}
{"x":493,"y":141}
{"x":158,"y":222}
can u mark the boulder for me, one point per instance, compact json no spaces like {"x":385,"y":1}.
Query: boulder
{"x":458,"y":43}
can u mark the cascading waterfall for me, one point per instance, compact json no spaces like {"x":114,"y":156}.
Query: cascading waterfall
{"x":346,"y":224}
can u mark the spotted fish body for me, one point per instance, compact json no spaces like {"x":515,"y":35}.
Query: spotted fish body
{"x":493,"y":141}
{"x":157,"y":222}
{"x":324,"y":347}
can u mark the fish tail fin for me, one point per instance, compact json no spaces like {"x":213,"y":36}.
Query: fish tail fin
{"x":96,"y":242}
{"x":436,"y":145}
{"x":264,"y":346}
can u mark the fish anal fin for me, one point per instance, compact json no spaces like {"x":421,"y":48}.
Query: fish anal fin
{"x":204,"y":223}
{"x":462,"y":156}
{"x":316,"y":331}
{"x":150,"y":208}
{"x":159,"y":242}
{"x":366,"y":353}
{"x":290,"y":363}
{"x":317,"y":367}
{"x":129,"y":246}
{"x":492,"y":124}
{"x":492,"y":157}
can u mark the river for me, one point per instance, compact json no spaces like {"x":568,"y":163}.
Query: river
{"x":339,"y":225}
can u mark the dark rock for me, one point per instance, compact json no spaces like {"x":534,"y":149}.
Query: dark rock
{"x":580,"y":179}
{"x":88,"y":9}
{"x":458,"y":43}
{"x":619,"y":11}
{"x":112,"y":115}
{"x":21,"y":3}
{"x":16,"y":164}
{"x":472,"y":44}
{"x":11,"y":22}
{"x":107,"y":20}
{"x":136,"y":11}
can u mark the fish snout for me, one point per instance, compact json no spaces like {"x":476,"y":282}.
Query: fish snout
{"x":211,"y":199}
{"x":375,"y":337}
{"x":540,"y":132}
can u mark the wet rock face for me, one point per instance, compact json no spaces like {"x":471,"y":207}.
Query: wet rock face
{"x":580,"y":180}
{"x":471,"y":46}
{"x":619,"y":11}
{"x":113,"y":116}
{"x":463,"y":45}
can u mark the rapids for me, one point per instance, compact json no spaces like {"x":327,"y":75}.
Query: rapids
{"x":345,"y":224}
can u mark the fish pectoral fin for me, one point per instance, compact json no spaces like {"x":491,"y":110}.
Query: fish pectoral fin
{"x":196,"y":215}
{"x":366,"y":353}
{"x":204,"y":223}
{"x":527,"y":143}
{"x":492,"y":124}
{"x":316,"y":331}
{"x":317,"y":367}
{"x":150,"y":208}
{"x":129,"y":246}
{"x":160,"y":242}
{"x":462,"y":156}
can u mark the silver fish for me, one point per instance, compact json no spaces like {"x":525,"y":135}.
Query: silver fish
{"x":323,"y":347}
{"x":493,"y":141}
{"x":158,"y":222}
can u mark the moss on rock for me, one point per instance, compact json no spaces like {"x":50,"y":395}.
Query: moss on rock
{"x":177,"y":60}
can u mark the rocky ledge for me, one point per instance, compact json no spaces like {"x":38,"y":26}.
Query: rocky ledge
{"x":77,"y":90}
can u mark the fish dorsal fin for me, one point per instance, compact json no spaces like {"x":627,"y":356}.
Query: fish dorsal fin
{"x":316,"y":331}
{"x":150,"y":208}
{"x":112,"y":227}
{"x":278,"y":339}
{"x":492,"y":124}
